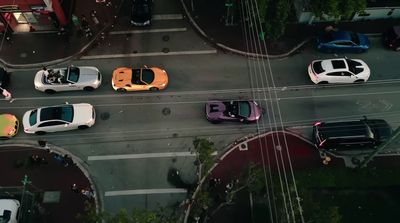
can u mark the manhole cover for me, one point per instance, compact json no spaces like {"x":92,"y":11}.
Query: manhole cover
{"x":135,"y":51}
{"x":175,"y":135}
{"x":166,"y":111}
{"x":165,"y":50}
{"x":165,"y":38}
{"x":23,"y":55}
{"x":105,"y":116}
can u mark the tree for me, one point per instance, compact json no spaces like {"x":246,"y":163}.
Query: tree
{"x":278,"y":13}
{"x":204,"y":150}
{"x":338,"y":9}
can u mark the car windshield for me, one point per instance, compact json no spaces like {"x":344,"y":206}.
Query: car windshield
{"x":317,"y":67}
{"x":354,"y":38}
{"x":147,"y":76}
{"x":33,"y":117}
{"x":65,"y":112}
{"x":354,"y":66}
{"x":73,"y":74}
{"x":244,"y":109}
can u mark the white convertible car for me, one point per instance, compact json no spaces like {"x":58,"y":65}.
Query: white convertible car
{"x":67,"y":79}
{"x":59,"y":118}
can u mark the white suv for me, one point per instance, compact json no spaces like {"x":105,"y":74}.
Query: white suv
{"x":339,"y":70}
{"x":9,"y":210}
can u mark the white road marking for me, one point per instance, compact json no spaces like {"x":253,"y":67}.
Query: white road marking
{"x":145,"y":191}
{"x":149,"y":31}
{"x":167,"y":17}
{"x":152,"y":54}
{"x":142,"y":156}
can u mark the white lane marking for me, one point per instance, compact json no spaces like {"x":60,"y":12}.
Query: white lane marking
{"x":167,"y":17}
{"x":142,"y":156}
{"x":149,"y":31}
{"x":145,"y":191}
{"x":177,"y":53}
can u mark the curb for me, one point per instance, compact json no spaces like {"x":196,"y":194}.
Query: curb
{"x":224,"y":47}
{"x":79,"y":163}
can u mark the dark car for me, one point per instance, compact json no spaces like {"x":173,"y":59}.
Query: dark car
{"x":239,"y":111}
{"x":392,"y":38}
{"x":351,"y":135}
{"x":342,"y":42}
{"x":141,"y":12}
{"x":4,"y":78}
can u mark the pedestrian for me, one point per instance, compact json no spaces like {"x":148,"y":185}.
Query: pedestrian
{"x":85,"y":26}
{"x":94,"y":17}
{"x":75,"y":188}
{"x":88,"y":193}
{"x":77,"y":24}
{"x":7,"y":95}
{"x":59,"y":159}
{"x":68,"y":160}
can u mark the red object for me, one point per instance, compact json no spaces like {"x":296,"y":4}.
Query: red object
{"x":59,"y":13}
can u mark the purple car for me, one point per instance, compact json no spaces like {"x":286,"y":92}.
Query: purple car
{"x":240,"y":111}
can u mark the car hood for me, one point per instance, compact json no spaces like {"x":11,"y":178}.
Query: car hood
{"x":380,"y":128}
{"x":83,"y":113}
{"x":8,"y":125}
{"x":215,"y":109}
{"x":364,"y":41}
{"x":256,"y":111}
{"x":160,"y":77}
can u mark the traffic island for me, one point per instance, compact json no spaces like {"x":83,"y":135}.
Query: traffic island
{"x":49,"y":183}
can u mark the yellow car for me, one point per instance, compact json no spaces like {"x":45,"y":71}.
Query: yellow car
{"x":139,"y":79}
{"x":8,"y":126}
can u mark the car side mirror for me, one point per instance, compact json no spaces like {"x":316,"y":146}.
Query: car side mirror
{"x":145,"y":66}
{"x":66,"y":103}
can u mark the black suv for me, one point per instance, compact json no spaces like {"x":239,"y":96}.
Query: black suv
{"x":392,"y":38}
{"x":349,"y":135}
{"x":141,"y":12}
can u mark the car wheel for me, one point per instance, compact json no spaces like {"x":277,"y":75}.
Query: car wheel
{"x":154,"y":89}
{"x":40,"y":133}
{"x":322,"y":82}
{"x":121,"y":90}
{"x":49,"y":91}
{"x":359,"y":81}
{"x":83,"y":127}
{"x":88,"y":88}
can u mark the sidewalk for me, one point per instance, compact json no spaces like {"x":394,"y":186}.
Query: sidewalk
{"x":35,"y":49}
{"x":208,"y":19}
{"x":50,"y":183}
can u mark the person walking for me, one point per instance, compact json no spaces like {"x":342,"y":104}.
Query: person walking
{"x":85,"y":26}
{"x":7,"y":95}
{"x":94,"y":17}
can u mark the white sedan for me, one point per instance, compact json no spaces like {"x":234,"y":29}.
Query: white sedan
{"x":339,"y":70}
{"x":59,"y":118}
{"x":67,"y":79}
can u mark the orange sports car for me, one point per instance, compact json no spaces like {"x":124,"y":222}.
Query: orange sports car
{"x":139,"y":79}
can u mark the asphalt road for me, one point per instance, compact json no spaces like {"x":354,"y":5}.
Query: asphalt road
{"x":139,"y":136}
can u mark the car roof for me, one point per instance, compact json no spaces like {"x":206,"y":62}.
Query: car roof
{"x":334,"y":64}
{"x":343,"y":129}
{"x":341,"y":35}
{"x":9,"y":204}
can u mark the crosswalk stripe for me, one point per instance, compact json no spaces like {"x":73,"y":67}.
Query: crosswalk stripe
{"x":148,"y":31}
{"x":143,"y":156}
{"x":167,"y":17}
{"x":150,"y":54}
{"x":145,"y":191}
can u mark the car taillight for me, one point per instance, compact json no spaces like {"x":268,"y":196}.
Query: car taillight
{"x":317,"y":123}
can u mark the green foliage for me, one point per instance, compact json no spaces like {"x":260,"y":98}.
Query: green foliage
{"x":278,"y":13}
{"x":255,"y":180}
{"x":262,"y":9}
{"x":338,"y":9}
{"x":124,"y":216}
{"x":202,"y":203}
{"x":204,"y":149}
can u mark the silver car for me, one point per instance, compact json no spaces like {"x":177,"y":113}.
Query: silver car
{"x":67,"y":79}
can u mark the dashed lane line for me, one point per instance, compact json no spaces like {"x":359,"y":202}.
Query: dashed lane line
{"x":151,"y":54}
{"x":143,"y":156}
{"x":145,"y":192}
{"x":167,"y":17}
{"x":148,"y":31}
